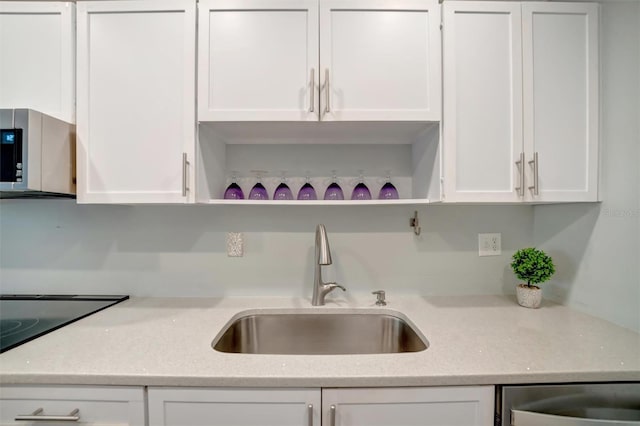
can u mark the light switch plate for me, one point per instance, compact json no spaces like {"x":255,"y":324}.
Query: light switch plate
{"x":235,"y":244}
{"x":489,"y":244}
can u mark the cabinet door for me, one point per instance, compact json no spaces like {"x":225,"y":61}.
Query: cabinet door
{"x":380,"y":60}
{"x":450,"y":406}
{"x":258,"y":60}
{"x":239,"y":407}
{"x":136,"y":101}
{"x":482,"y":101}
{"x":560,"y":64}
{"x":96,"y":405}
{"x":37,"y":57}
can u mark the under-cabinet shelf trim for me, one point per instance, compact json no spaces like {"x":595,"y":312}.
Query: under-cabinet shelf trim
{"x":405,"y":202}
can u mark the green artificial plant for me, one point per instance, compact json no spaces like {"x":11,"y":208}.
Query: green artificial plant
{"x":532,"y":265}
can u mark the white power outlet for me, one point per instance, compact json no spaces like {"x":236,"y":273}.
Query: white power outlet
{"x":489,"y":244}
{"x":235,"y":244}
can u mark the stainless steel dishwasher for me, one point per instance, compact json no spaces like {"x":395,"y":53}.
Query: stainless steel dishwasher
{"x":589,"y":404}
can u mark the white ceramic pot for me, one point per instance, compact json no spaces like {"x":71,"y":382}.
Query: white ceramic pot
{"x":529,"y":297}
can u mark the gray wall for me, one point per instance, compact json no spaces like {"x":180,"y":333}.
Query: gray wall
{"x":597,"y":247}
{"x":58,"y":246}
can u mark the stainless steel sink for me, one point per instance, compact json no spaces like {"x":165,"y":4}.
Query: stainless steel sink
{"x":309,"y":332}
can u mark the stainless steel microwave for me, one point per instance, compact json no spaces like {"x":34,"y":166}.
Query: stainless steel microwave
{"x":37,"y":155}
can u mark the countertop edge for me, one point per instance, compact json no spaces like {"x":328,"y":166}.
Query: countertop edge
{"x":305,"y":382}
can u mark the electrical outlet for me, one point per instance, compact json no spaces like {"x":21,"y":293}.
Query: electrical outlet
{"x":235,"y":244}
{"x":489,"y":244}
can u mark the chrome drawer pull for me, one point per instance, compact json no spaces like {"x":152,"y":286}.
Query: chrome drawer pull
{"x":37,"y":417}
{"x":332,"y":415}
{"x":310,"y":415}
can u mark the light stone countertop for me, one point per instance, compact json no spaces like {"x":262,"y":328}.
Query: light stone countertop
{"x":473,"y":340}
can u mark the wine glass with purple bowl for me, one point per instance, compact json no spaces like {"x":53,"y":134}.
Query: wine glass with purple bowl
{"x":307,"y":191}
{"x":361,"y":191}
{"x":334,"y":191}
{"x":283,"y":192}
{"x":233,"y":191}
{"x":258,"y":192}
{"x":388,"y":190}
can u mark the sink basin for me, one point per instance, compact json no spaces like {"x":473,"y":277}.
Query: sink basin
{"x":310,"y":332}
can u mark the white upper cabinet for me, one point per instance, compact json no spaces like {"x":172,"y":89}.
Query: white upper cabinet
{"x":258,"y":60}
{"x":521,"y":102}
{"x":560,"y":57}
{"x":136,"y":101}
{"x":380,"y":60}
{"x":37,"y":57}
{"x":310,"y":60}
{"x":483,"y":100}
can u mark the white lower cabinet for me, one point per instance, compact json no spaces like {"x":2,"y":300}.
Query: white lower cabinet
{"x":95,"y":405}
{"x":435,"y":406}
{"x":238,"y":407}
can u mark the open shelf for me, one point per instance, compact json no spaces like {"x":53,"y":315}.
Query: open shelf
{"x":409,"y":152}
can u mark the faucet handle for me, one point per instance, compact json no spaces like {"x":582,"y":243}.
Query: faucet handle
{"x":380,"y":297}
{"x":334,"y":285}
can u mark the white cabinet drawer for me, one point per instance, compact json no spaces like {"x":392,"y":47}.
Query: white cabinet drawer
{"x":100,"y":405}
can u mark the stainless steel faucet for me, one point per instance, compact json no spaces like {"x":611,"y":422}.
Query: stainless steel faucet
{"x":323,"y":257}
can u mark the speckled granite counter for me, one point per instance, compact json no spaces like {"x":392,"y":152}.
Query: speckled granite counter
{"x":473,"y":340}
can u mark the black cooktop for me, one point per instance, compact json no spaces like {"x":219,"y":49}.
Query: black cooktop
{"x":24,"y":317}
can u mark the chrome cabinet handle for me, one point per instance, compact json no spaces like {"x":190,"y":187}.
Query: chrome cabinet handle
{"x":332,"y":415}
{"x":310,"y":415}
{"x":36,"y":416}
{"x":520,"y":164}
{"x":327,"y":90}
{"x":185,"y":175}
{"x":313,"y":90}
{"x":534,"y":162}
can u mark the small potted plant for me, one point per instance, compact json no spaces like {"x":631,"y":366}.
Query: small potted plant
{"x":534,"y":267}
